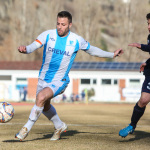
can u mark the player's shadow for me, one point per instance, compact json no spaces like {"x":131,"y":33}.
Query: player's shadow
{"x":137,"y":136}
{"x":64,"y":136}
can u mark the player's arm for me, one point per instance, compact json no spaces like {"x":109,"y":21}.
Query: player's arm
{"x":147,"y":63}
{"x":95,"y":51}
{"x":143,"y":47}
{"x":142,"y":67}
{"x":30,"y":48}
{"x":22,"y":49}
{"x":39,"y":42}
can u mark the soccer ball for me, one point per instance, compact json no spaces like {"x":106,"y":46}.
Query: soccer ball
{"x":6,"y":112}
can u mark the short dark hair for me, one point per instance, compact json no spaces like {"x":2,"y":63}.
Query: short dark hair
{"x":65,"y":14}
{"x":148,"y":16}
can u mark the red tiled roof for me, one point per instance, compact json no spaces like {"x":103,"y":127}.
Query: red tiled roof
{"x":20,"y":65}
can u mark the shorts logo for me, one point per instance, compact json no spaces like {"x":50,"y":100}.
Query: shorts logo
{"x":53,"y":85}
{"x":148,"y":87}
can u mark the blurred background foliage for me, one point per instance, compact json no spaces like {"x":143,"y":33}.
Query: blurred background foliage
{"x":109,"y":25}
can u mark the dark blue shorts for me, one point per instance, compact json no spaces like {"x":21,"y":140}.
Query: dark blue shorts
{"x":146,"y":85}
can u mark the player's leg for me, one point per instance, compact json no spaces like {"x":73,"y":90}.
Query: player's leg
{"x":36,"y":111}
{"x":139,"y":109}
{"x":60,"y":127}
{"x":138,"y":112}
{"x":50,"y":112}
{"x":42,"y":97}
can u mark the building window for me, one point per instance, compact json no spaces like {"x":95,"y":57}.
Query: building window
{"x":21,"y":82}
{"x":5,"y":77}
{"x":85,"y":81}
{"x":21,"y":79}
{"x":94,"y":81}
{"x":115,"y":81}
{"x":106,"y":81}
{"x":134,"y":82}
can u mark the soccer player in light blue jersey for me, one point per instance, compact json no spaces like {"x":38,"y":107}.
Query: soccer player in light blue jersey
{"x":60,"y":49}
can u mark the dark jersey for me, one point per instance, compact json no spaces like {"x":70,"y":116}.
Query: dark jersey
{"x":147,"y":49}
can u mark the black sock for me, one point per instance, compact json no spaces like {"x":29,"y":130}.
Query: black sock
{"x":136,"y":115}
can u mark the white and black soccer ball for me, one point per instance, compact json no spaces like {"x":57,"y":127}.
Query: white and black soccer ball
{"x":6,"y":112}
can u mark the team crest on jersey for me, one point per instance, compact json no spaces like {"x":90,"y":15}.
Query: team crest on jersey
{"x":71,"y":42}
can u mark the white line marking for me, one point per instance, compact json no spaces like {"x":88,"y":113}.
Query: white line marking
{"x":80,"y":125}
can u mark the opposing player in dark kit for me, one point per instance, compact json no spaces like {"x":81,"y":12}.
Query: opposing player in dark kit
{"x":140,"y":106}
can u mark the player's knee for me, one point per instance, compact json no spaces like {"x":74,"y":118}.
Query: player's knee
{"x":143,"y":102}
{"x":40,"y":100}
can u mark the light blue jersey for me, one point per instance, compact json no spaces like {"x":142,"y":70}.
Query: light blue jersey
{"x":59,"y":54}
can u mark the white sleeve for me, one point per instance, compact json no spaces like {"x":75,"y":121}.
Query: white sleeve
{"x":32,"y":47}
{"x":39,"y":42}
{"x":95,"y":51}
{"x":42,"y":37}
{"x":83,"y":44}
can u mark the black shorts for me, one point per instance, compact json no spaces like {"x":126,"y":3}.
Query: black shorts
{"x":146,"y":85}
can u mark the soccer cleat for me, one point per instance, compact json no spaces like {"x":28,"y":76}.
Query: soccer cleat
{"x":128,"y":130}
{"x":58,"y":132}
{"x":22,"y":134}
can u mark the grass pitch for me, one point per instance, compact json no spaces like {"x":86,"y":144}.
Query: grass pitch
{"x":90,"y":127}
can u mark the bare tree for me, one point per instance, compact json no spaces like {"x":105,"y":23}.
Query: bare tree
{"x":108,"y":24}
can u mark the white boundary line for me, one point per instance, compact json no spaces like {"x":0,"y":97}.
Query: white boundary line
{"x":80,"y":125}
